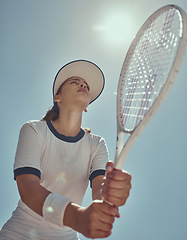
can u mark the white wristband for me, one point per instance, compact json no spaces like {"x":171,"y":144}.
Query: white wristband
{"x":54,"y":208}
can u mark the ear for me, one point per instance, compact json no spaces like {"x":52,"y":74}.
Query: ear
{"x":57,"y":99}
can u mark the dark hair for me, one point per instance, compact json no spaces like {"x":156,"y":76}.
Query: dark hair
{"x":52,"y":114}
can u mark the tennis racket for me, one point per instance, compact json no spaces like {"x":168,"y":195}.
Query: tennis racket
{"x":148,"y":72}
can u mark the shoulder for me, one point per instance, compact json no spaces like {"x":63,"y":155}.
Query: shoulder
{"x":37,"y":126}
{"x":93,"y":136}
{"x":95,"y":140}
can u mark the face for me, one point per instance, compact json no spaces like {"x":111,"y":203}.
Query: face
{"x":74,"y":90}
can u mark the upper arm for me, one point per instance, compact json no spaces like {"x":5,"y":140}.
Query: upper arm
{"x":25,"y":181}
{"x":27,"y":159}
{"x":28,"y":152}
{"x":99,"y":155}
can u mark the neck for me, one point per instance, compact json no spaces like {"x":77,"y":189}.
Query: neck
{"x":68,"y":123}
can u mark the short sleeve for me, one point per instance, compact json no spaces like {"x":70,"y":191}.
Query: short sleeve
{"x":27,"y":159}
{"x":99,"y":160}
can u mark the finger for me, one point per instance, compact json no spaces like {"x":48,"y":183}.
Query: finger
{"x":106,"y":227}
{"x":116,"y":184}
{"x":119,"y":175}
{"x":98,"y":230}
{"x":115,"y":192}
{"x":116,"y":197}
{"x":104,"y":222}
{"x":107,"y":218}
{"x":114,"y":200}
{"x":110,"y":209}
{"x":99,"y":234}
{"x":115,"y":187}
{"x":110,"y":212}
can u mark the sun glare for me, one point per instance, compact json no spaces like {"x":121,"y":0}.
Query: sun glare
{"x":116,"y":28}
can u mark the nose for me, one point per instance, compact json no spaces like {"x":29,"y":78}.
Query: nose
{"x":83,"y":85}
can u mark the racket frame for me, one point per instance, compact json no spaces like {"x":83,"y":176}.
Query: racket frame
{"x":121,"y":148}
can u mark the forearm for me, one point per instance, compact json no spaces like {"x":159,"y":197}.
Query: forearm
{"x":33,"y":195}
{"x":74,"y":210}
{"x":96,"y":195}
{"x":96,"y":187}
{"x":49,"y":205}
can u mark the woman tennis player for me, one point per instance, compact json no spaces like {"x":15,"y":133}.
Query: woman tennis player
{"x":56,"y":158}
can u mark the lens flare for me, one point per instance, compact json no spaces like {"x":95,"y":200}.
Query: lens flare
{"x":61,"y":178}
{"x":50,"y":209}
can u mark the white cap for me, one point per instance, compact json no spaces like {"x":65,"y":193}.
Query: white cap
{"x":87,"y":70}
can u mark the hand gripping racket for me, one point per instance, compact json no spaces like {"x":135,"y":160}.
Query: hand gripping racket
{"x":148,"y":72}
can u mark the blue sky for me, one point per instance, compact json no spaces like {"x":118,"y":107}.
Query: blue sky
{"x":40,"y":36}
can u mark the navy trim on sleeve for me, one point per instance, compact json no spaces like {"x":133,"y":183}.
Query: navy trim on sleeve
{"x":95,"y":174}
{"x":27,"y":170}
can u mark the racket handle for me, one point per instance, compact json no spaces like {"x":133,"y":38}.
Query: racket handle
{"x":119,"y":162}
{"x":119,"y":147}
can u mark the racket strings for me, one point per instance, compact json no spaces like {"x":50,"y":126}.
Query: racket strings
{"x":148,"y":66}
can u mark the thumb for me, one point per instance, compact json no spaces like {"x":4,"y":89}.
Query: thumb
{"x":109,"y":167}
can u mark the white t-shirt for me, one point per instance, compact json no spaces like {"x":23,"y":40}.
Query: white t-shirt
{"x":63,"y":164}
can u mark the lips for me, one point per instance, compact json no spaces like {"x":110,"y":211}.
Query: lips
{"x":83,"y":90}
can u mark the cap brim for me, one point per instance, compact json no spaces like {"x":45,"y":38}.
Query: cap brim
{"x":87,"y":70}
